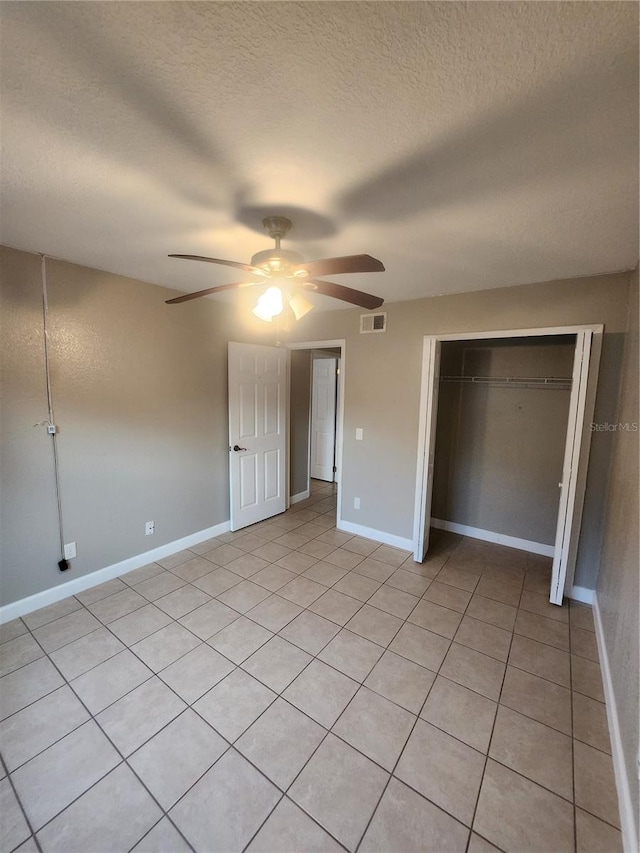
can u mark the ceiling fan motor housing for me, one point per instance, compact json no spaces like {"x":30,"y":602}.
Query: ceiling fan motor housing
{"x":277,"y":261}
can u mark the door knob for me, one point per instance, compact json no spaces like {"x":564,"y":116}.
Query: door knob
{"x":236,"y":447}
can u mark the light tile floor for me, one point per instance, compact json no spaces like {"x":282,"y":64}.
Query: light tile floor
{"x":291,"y":688}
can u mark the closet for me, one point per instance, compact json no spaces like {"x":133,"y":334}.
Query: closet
{"x":501,"y":429}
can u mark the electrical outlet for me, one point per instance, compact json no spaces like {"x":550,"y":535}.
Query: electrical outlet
{"x":356,"y":503}
{"x":149,"y":528}
{"x":70,"y":551}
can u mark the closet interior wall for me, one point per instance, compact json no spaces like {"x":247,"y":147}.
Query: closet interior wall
{"x":501,"y":434}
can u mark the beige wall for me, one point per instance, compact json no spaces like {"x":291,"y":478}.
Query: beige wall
{"x":140,"y":399}
{"x":617,"y":590}
{"x":382,"y":388}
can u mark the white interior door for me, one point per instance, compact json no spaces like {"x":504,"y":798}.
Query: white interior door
{"x":426,"y":439}
{"x":323,"y":418}
{"x":570,"y":511}
{"x":257,"y":432}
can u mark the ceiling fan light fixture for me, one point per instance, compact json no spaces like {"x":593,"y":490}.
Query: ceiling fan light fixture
{"x":300,"y":306}
{"x":269,"y":305}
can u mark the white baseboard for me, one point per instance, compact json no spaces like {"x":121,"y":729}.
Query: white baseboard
{"x":582,"y":594}
{"x":627,"y":820}
{"x":376,"y":535}
{"x":301,"y":496}
{"x":498,"y":538}
{"x":71,"y":587}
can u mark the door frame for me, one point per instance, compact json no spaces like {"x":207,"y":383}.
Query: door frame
{"x":428,"y":395}
{"x":311,"y":345}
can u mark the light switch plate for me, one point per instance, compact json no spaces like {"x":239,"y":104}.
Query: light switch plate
{"x":359,"y":433}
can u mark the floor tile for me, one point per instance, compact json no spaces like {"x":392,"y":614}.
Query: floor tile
{"x":315,"y":549}
{"x":302,"y":591}
{"x":139,"y":624}
{"x":13,"y":826}
{"x":543,"y":630}
{"x":296,"y":562}
{"x":50,"y":613}
{"x":448,"y":596}
{"x":310,"y":632}
{"x":586,"y":678}
{"x":343,"y":559}
{"x":595,"y":836}
{"x":485,"y":638}
{"x":249,"y":542}
{"x":375,"y":570}
{"x":435,"y":618}
{"x":460,"y":712}
{"x":583,"y":643}
{"x":273,"y":577}
{"x":18,"y":652}
{"x":188,"y":747}
{"x":196,"y":672}
{"x":208,"y":619}
{"x":340,"y":789}
{"x":82,"y":655}
{"x":376,"y":727}
{"x":182,"y":601}
{"x":503,"y":793}
{"x":540,"y":659}
{"x":11,"y":630}
{"x":361,"y":546}
{"x":271,"y":552}
{"x":393,"y":601}
{"x":537,"y":698}
{"x":334,"y":537}
{"x":274,"y":613}
{"x":443,"y":769}
{"x":247,"y":565}
{"x":459,"y":578}
{"x":595,"y":789}
{"x":193,"y":569}
{"x":400,"y":680}
{"x":392,"y":556}
{"x":474,"y":670}
{"x":336,"y":606}
{"x":374,"y":625}
{"x":226,"y":807}
{"x":280,"y":742}
{"x":95,"y":593}
{"x":55,"y":777}
{"x":65,"y":630}
{"x":405,"y":821}
{"x":351,"y":654}
{"x":217,"y":581}
{"x":41,"y":724}
{"x":590,"y":722}
{"x":535,"y":602}
{"x":499,"y":590}
{"x":224,"y":554}
{"x":26,"y":685}
{"x":324,"y":573}
{"x":176,"y":559}
{"x":357,"y":586}
{"x":240,"y":639}
{"x":408,"y":582}
{"x":109,"y":609}
{"x":233,"y":704}
{"x":581,"y":616}
{"x":112,"y":815}
{"x":244,"y":596}
{"x":420,"y":646}
{"x":163,"y":838}
{"x":277,"y":663}
{"x":494,"y":612}
{"x":166,"y":645}
{"x":136,"y":717}
{"x":292,"y":539}
{"x":477,"y":844}
{"x":534,"y":750}
{"x":321,"y":692}
{"x":289,"y":830}
{"x":142,"y":574}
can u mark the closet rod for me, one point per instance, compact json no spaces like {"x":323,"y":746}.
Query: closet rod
{"x":515,"y":381}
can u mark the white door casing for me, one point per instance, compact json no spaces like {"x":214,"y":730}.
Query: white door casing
{"x":570,"y":510}
{"x":323,"y":418}
{"x":426,"y":442}
{"x":258,"y":428}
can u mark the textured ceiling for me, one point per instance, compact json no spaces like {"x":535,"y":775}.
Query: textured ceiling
{"x":467,"y":145}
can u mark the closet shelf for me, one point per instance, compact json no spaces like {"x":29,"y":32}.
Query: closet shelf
{"x":562,"y":384}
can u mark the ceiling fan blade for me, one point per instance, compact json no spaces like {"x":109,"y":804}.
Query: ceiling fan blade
{"x":187,"y":296}
{"x":346,"y":294}
{"x":350,"y":263}
{"x":237,"y":264}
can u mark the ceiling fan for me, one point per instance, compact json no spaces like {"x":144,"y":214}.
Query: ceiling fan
{"x":289,"y":275}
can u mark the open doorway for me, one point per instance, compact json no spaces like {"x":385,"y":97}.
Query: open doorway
{"x":443,"y":364}
{"x":316,"y":406}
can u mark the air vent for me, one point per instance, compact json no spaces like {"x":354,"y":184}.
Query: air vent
{"x":373,"y":323}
